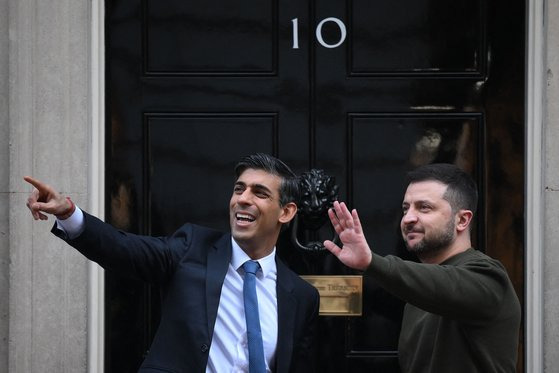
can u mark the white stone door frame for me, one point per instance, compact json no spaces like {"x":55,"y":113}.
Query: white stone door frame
{"x":96,"y":185}
{"x":534,"y":240}
{"x":535,"y":95}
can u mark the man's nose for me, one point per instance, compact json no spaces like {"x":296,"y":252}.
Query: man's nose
{"x":409,"y":217}
{"x":244,"y":197}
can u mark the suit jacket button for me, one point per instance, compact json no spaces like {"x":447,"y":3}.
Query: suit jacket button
{"x":204,"y":348}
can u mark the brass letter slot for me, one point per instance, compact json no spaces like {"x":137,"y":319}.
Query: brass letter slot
{"x":339,"y":295}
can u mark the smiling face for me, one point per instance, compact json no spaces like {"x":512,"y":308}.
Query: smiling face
{"x":255,"y":213}
{"x":428,"y":224}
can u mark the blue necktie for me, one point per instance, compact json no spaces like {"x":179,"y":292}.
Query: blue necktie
{"x":256,"y":362}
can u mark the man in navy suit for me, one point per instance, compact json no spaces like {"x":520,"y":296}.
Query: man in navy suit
{"x":200,"y":274}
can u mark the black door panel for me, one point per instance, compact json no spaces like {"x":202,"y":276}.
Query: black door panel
{"x":363,"y":90}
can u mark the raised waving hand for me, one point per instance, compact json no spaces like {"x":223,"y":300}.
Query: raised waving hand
{"x":45,"y":199}
{"x":355,"y":251}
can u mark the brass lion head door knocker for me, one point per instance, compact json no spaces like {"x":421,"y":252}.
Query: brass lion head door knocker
{"x":318,"y":193}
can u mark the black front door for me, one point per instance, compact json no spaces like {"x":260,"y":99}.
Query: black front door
{"x":363,"y":90}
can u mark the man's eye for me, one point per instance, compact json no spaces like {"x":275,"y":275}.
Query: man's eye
{"x":238,"y":189}
{"x":262,"y":195}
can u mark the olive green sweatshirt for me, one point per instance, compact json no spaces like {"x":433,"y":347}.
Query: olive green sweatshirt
{"x":462,"y":315}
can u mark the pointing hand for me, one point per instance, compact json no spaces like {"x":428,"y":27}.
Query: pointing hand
{"x":44,"y":199}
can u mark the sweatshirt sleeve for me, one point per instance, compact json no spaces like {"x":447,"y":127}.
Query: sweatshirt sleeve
{"x":468,"y":286}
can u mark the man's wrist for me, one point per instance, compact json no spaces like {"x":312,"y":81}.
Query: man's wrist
{"x":74,"y":225}
{"x":66,"y":214}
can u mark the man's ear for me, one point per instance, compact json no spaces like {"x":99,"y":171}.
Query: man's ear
{"x":464,"y":218}
{"x":288,"y":212}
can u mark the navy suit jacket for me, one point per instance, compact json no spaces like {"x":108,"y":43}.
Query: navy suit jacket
{"x":189,"y":267}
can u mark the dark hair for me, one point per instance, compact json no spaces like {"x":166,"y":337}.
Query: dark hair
{"x":461,"y":190}
{"x":289,"y":187}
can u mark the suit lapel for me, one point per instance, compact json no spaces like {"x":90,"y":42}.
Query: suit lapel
{"x":219,"y":257}
{"x":287,"y":305}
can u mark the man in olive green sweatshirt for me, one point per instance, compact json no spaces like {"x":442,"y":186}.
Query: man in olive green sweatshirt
{"x":462,"y":313}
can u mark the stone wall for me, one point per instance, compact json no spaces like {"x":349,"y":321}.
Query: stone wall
{"x":4,"y":186}
{"x":49,"y":125}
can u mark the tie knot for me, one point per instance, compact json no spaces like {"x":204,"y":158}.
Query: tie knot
{"x":251,"y":266}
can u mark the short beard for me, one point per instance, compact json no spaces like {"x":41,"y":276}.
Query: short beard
{"x":439,"y":242}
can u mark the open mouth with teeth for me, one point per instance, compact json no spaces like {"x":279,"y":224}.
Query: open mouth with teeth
{"x":244,"y":217}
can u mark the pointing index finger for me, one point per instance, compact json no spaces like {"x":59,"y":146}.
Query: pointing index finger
{"x":36,"y":183}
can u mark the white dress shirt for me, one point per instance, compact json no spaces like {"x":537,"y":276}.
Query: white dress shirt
{"x":229,"y":347}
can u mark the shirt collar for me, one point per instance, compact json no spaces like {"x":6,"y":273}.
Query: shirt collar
{"x":238,"y":257}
